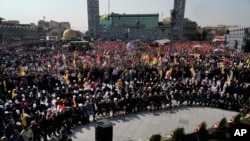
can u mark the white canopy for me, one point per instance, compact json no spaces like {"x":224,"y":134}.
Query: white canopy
{"x":198,"y":46}
{"x":162,"y":42}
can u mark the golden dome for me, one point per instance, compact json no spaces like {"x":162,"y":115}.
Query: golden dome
{"x":69,"y":34}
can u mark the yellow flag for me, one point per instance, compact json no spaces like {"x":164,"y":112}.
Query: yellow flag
{"x":4,"y":85}
{"x":22,"y":72}
{"x":197,"y":56}
{"x":175,"y":61}
{"x":85,"y":65}
{"x":66,"y":78}
{"x":192,"y":71}
{"x":228,"y":79}
{"x":240,"y":64}
{"x":147,"y":59}
{"x":85,"y":84}
{"x":79,"y":75}
{"x":74,"y":103}
{"x":154,"y":61}
{"x":222,"y":67}
{"x":23,"y":118}
{"x":13,"y":94}
{"x":248,"y":63}
{"x":74,"y":63}
{"x":75,"y":54}
{"x":161,"y":73}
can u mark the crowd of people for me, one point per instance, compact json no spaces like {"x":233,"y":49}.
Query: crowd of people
{"x":45,"y":93}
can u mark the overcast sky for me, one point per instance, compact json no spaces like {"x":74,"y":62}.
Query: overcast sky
{"x":204,"y":12}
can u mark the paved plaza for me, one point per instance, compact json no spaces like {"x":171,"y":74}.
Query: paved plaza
{"x":138,"y":127}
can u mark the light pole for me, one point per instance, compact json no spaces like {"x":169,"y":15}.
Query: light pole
{"x":138,"y":27}
{"x":128,"y":33}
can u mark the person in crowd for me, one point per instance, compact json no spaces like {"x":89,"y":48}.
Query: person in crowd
{"x":16,"y":136}
{"x":4,"y":138}
{"x":63,"y":135}
{"x":57,"y":92}
{"x":9,"y":128}
{"x":27,"y":133}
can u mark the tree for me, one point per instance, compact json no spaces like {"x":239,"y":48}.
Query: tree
{"x":1,"y":20}
{"x":236,"y":44}
{"x":204,"y":35}
{"x":247,"y":47}
{"x":178,"y":134}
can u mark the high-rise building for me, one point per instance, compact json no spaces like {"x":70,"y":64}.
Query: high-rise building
{"x":93,"y":17}
{"x":237,"y":37}
{"x":178,"y":18}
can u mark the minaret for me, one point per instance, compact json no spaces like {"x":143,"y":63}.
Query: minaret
{"x":93,"y":17}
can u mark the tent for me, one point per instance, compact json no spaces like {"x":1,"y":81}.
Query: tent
{"x":162,"y":42}
{"x":219,"y":50}
{"x":198,"y":46}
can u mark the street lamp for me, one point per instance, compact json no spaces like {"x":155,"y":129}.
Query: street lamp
{"x":138,"y":26}
{"x":128,"y":34}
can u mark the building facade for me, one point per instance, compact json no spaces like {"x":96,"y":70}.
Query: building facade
{"x":131,"y":26}
{"x":177,"y":17}
{"x":134,"y":20}
{"x":189,"y":27}
{"x":52,"y":29}
{"x":18,"y":32}
{"x":237,"y":37}
{"x":93,"y":17}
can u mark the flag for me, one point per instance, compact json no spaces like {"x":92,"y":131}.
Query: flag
{"x":175,"y":60}
{"x":169,"y":73}
{"x":85,"y":84}
{"x":13,"y":94}
{"x":60,"y":107}
{"x":240,"y":64}
{"x":154,"y":61}
{"x":75,"y":55}
{"x":248,"y":63}
{"x":160,"y":73}
{"x":146,"y":58}
{"x":104,"y":64}
{"x":74,"y":62}
{"x":23,"y":118}
{"x":222,"y":67}
{"x":22,"y":72}
{"x":79,"y":75}
{"x":129,"y":46}
{"x":66,"y":78}
{"x":197,"y":56}
{"x":228,"y":79}
{"x":192,"y":71}
{"x":231,"y":75}
{"x":4,"y":85}
{"x":74,"y":103}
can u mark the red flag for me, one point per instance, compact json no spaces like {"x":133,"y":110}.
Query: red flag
{"x":60,"y":107}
